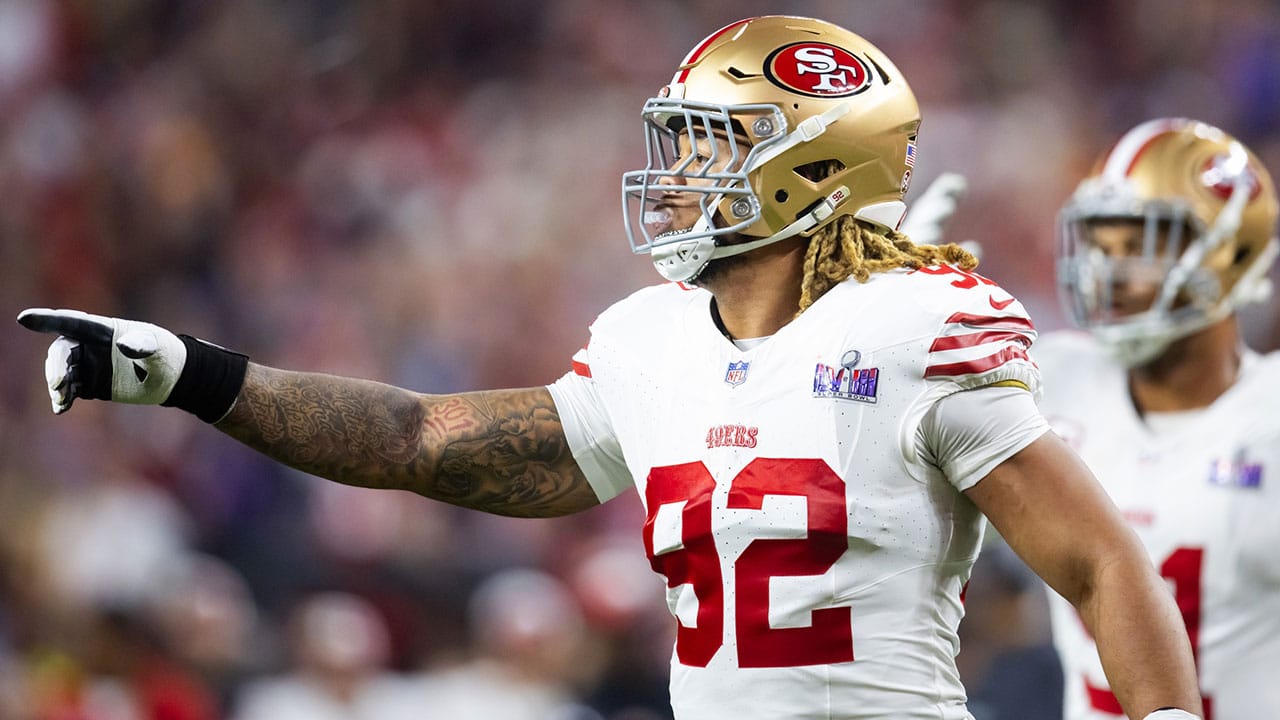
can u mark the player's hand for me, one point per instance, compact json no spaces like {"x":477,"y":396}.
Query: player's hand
{"x":105,"y":358}
{"x":930,"y":212}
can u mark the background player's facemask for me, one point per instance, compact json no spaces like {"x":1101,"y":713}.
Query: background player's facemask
{"x":1186,"y":295}
{"x":1205,"y":212}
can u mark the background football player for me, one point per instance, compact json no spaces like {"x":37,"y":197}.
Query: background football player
{"x":1171,"y":233}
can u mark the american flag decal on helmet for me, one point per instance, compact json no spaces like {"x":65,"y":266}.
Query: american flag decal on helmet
{"x":971,"y":344}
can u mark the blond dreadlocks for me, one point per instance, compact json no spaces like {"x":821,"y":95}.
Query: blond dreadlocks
{"x":854,"y":248}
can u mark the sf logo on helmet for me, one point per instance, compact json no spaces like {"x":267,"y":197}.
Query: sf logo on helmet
{"x":1220,"y":175}
{"x":817,"y":69}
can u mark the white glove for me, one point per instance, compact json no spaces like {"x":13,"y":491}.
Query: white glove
{"x":105,"y":358}
{"x":930,"y":212}
{"x":1171,"y":714}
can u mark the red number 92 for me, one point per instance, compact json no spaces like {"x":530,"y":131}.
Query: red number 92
{"x":696,"y":562}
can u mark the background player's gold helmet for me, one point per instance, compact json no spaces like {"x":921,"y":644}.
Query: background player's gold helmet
{"x":1209,"y":212}
{"x":803,"y":97}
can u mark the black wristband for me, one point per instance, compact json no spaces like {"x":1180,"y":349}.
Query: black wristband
{"x":210,"y":380}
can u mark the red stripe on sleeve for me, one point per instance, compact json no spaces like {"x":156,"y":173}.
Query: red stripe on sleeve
{"x":973,"y":367}
{"x":955,"y":342}
{"x":1006,"y":321}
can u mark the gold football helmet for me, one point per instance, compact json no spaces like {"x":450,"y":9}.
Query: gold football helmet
{"x":820,"y":124}
{"x":1207,"y":210}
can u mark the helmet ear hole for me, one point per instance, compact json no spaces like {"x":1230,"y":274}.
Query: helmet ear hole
{"x":819,"y":170}
{"x":781,"y":196}
{"x":1242,"y":254}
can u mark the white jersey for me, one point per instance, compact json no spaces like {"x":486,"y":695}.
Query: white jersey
{"x":1201,"y":490}
{"x":815,"y":557}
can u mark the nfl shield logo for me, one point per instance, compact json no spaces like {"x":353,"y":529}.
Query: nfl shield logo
{"x":737,"y":373}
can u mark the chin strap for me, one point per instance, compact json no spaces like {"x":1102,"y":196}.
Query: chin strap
{"x":806,"y":222}
{"x":684,"y":261}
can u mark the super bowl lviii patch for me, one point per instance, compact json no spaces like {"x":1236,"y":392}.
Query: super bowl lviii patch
{"x":1235,"y":472}
{"x":846,"y":383}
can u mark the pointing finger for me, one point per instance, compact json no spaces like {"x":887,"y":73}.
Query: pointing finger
{"x":71,"y":323}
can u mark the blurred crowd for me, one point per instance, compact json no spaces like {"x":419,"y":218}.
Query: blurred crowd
{"x":426,"y":192}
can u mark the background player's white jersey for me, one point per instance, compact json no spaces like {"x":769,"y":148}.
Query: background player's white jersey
{"x":1201,"y":490}
{"x":815,"y":556}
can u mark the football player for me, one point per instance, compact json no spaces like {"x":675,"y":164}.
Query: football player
{"x":816,"y":412}
{"x":1171,"y":233}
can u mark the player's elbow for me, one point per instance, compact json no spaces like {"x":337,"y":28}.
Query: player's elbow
{"x":1116,"y":578}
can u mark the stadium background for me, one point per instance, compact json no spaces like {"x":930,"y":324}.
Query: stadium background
{"x":427,"y":193}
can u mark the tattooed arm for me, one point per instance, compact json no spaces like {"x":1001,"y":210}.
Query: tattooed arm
{"x":500,"y":451}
